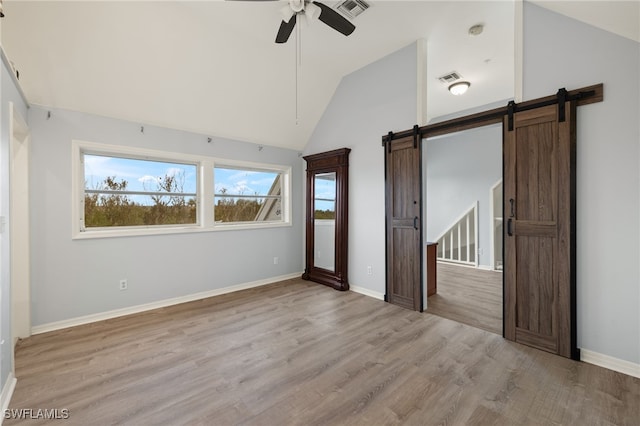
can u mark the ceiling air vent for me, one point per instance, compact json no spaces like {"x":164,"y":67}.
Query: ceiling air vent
{"x":353,"y":8}
{"x":450,"y":78}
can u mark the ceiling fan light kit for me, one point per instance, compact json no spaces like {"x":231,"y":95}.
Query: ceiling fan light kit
{"x":305,"y":11}
{"x":311,"y":9}
{"x":287,"y":13}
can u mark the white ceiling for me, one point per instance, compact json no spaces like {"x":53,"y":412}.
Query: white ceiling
{"x":212,"y":67}
{"x":620,"y":17}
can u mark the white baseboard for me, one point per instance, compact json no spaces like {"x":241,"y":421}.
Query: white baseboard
{"x":611,"y":363}
{"x":366,"y":292}
{"x":485,"y":268}
{"x":72,"y":322}
{"x":7,"y":393}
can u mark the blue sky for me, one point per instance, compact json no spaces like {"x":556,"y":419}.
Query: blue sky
{"x":243,"y":182}
{"x":325,"y":189}
{"x":142,"y":175}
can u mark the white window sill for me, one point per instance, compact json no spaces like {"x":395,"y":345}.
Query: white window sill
{"x":169,"y":230}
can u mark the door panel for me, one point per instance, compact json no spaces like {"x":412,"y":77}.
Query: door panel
{"x":403,"y":187}
{"x":538,"y":182}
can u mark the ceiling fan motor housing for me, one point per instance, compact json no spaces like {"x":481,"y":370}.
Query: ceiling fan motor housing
{"x":325,"y":14}
{"x":297,"y":5}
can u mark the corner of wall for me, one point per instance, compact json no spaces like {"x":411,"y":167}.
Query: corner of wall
{"x":7,"y":392}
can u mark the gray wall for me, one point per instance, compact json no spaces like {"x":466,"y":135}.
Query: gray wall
{"x":367,"y":104}
{"x":8,"y":93}
{"x":561,"y":52}
{"x":72,"y":278}
{"x":558,"y":52}
{"x":460,"y":169}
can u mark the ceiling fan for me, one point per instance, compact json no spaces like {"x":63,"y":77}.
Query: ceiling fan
{"x":310,"y":9}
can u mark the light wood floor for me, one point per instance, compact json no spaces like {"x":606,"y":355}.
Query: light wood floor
{"x":300,"y":353}
{"x":468,"y":295}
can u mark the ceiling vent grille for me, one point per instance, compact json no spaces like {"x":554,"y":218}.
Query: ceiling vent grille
{"x":450,"y":78}
{"x":353,"y":8}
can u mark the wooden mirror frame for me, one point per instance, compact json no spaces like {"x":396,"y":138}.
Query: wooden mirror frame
{"x":336,"y":161}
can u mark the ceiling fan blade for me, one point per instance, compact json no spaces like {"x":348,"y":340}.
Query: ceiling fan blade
{"x":334,"y":19}
{"x":285,"y":30}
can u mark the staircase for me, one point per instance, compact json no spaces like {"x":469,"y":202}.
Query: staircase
{"x":458,"y":243}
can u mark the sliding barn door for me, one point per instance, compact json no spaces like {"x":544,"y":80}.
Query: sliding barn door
{"x":539,"y":207}
{"x":403,"y":189}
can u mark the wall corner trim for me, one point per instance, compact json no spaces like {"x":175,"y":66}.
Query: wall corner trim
{"x":72,"y":322}
{"x":366,"y":292}
{"x":14,"y":78}
{"x":519,"y":51}
{"x":7,"y":393}
{"x":421,"y":82}
{"x":609,"y":362}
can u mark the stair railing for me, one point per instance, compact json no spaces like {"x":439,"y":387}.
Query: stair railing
{"x":458,"y":244}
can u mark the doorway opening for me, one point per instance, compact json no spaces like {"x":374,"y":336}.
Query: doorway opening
{"x":19,"y":226}
{"x":539,"y":282}
{"x":463,"y":205}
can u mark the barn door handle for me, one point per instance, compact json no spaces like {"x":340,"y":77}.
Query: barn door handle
{"x":415,"y":222}
{"x":512,"y":203}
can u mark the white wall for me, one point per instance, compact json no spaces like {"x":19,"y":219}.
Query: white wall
{"x":561,"y":52}
{"x":558,"y":52}
{"x":73,"y":278}
{"x":460,"y":169}
{"x":8,"y":93}
{"x":324,"y":250}
{"x":368,"y":103}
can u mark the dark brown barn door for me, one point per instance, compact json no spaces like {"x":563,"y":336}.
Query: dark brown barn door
{"x":403,"y":190}
{"x":539,"y":188}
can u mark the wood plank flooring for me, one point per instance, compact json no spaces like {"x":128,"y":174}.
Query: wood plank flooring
{"x":468,"y":295}
{"x":299,"y":353}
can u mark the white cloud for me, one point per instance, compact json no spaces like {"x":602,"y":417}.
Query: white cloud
{"x":173,"y":171}
{"x":105,"y":166}
{"x":147,"y":179}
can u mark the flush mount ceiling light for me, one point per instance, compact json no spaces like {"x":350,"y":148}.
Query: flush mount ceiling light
{"x":459,"y":88}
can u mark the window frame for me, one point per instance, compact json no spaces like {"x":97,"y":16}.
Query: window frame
{"x":205,"y":188}
{"x":229,"y":166}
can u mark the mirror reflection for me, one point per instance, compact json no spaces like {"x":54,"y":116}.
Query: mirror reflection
{"x":324,"y":220}
{"x":327,"y":210}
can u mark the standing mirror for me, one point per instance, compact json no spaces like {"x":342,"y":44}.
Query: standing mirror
{"x":326,"y":218}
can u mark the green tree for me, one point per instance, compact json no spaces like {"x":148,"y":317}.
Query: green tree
{"x":230,"y":209}
{"x":112,"y":209}
{"x":168,"y":208}
{"x":109,"y":209}
{"x":324,"y":214}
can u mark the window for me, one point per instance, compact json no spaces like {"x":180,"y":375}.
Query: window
{"x":247,"y":195}
{"x":131,"y":191}
{"x":122,"y":191}
{"x":325,"y":196}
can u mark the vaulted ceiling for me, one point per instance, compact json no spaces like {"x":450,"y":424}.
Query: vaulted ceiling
{"x":212,"y":67}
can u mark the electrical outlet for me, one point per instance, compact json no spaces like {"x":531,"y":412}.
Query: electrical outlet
{"x":275,"y":260}
{"x":123,"y":284}
{"x":369,"y":272}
